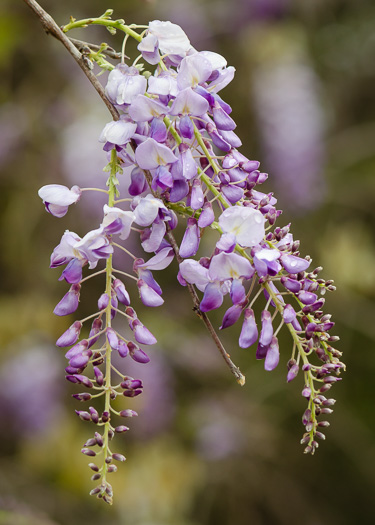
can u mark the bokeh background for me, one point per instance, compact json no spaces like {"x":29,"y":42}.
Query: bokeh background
{"x":203,"y":450}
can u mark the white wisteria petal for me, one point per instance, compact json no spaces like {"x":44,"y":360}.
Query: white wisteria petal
{"x":147,"y":210}
{"x":124,"y":218}
{"x":172,"y":38}
{"x":217,"y":61}
{"x":246,"y":224}
{"x":150,"y":154}
{"x":59,"y":195}
{"x":118,"y":132}
{"x":229,"y":266}
{"x":194,"y":273}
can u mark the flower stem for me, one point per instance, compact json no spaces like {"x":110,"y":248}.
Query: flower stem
{"x":108,"y":350}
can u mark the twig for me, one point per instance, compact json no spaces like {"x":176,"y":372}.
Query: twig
{"x":81,"y":45}
{"x":51,"y":28}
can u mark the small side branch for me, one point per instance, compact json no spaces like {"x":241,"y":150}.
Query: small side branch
{"x":83,"y":46}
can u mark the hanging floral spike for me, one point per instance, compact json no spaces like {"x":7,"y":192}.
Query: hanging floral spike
{"x":178,"y":134}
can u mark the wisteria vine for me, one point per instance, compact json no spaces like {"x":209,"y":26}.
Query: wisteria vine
{"x":174,"y":134}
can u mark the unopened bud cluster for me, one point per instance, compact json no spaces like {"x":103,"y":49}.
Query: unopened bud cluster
{"x":176,"y":136}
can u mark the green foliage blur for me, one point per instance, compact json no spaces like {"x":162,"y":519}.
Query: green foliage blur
{"x":203,"y":450}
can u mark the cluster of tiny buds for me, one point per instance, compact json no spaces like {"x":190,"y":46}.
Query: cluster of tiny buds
{"x":104,"y":489}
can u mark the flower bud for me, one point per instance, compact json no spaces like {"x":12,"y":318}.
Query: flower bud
{"x":137,"y":354}
{"x":249,"y":332}
{"x":267,"y":329}
{"x":121,"y":292}
{"x":71,"y":335}
{"x":69,"y":303}
{"x":88,"y":452}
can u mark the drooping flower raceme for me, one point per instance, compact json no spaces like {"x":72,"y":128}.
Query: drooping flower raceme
{"x":176,"y":133}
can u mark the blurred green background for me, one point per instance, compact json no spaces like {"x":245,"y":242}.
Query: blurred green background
{"x":203,"y":451}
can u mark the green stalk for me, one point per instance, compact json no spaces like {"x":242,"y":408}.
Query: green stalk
{"x":107,"y":379}
{"x":114,"y":24}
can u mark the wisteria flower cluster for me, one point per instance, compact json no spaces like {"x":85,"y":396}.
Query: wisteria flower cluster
{"x":176,"y":137}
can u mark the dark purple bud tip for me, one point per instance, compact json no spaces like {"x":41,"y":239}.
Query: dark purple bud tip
{"x":128,"y":413}
{"x":90,"y":442}
{"x":94,"y":415}
{"x":313,"y":307}
{"x":99,"y":439}
{"x":94,"y":467}
{"x":82,"y":397}
{"x":119,"y":457}
{"x":121,"y":428}
{"x":129,"y":382}
{"x":72,"y":370}
{"x":130,"y":312}
{"x":331,"y":379}
{"x":137,"y":353}
{"x":326,"y":411}
{"x":112,"y":468}
{"x":105,"y":417}
{"x":85,"y":416}
{"x":329,"y":402}
{"x":78,"y":378}
{"x":88,"y":452}
{"x":132,"y":393}
{"x":95,"y":477}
